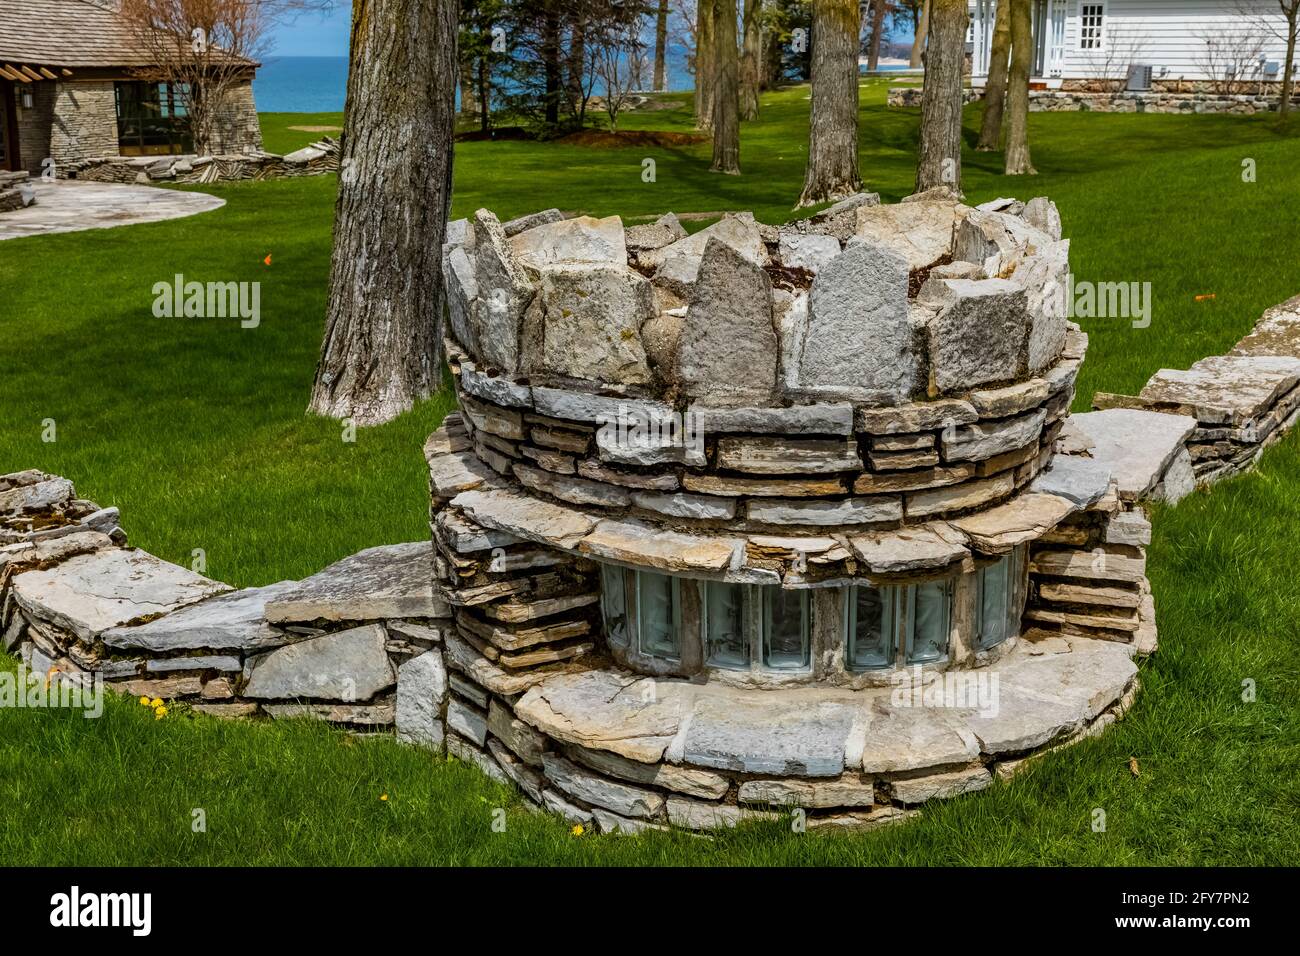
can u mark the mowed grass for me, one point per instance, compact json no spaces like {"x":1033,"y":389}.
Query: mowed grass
{"x":195,"y":428}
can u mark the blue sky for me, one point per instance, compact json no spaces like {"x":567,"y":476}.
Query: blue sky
{"x":315,"y":34}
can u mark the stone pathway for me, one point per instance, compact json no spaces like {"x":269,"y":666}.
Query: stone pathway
{"x":70,"y":206}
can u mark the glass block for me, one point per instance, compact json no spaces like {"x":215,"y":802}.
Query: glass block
{"x":726,"y":642}
{"x":785,"y":628}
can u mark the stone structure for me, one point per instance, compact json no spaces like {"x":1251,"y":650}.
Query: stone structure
{"x":314,"y":160}
{"x":1231,"y":406}
{"x":73,"y":88}
{"x":655,"y":599}
{"x":1167,"y":100}
{"x":706,"y":560}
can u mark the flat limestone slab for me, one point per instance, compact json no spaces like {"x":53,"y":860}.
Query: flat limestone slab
{"x":393,"y":580}
{"x":1224,"y":389}
{"x":1276,"y":333}
{"x":235,"y":620}
{"x":1137,"y":445}
{"x":90,"y":593}
{"x":1021,"y":702}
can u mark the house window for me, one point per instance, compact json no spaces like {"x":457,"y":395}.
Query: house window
{"x":152,"y":119}
{"x":997,"y":599}
{"x":785,"y":629}
{"x":657,"y":617}
{"x":726,"y":641}
{"x":1091,"y":16}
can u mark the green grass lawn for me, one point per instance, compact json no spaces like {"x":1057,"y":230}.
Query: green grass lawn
{"x":195,"y":428}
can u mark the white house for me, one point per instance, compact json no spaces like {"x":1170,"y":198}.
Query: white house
{"x":1185,"y":42}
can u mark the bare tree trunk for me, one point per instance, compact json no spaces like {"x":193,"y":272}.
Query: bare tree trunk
{"x":382,"y":347}
{"x":918,"y":41}
{"x":939,"y":163}
{"x":726,"y":92}
{"x":468,"y":95}
{"x":1288,"y":82}
{"x":575,"y":64}
{"x":995,"y":89}
{"x":551,"y":64}
{"x":1017,"y":156}
{"x":878,"y":10}
{"x":484,"y":94}
{"x":750,"y":69}
{"x":832,"y":171}
{"x":704,"y":64}
{"x":661,"y":46}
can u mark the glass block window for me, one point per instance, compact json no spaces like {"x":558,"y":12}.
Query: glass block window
{"x":1091,"y":17}
{"x":870,"y":628}
{"x":726,"y":641}
{"x":997,"y":607}
{"x":613,"y":604}
{"x":785,"y":629}
{"x":657,"y":625}
{"x":929,"y":612}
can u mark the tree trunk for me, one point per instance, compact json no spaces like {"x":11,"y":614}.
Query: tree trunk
{"x":750,"y":68}
{"x":383,"y":330}
{"x":878,"y":10}
{"x":468,"y":95}
{"x":551,"y":64}
{"x":726,"y":91}
{"x":939,"y":163}
{"x":704,"y":67}
{"x":1288,"y":83}
{"x":484,"y":93}
{"x":661,"y":46}
{"x":918,"y":41}
{"x":832,"y":171}
{"x":995,"y":89}
{"x":574,"y":66}
{"x":1017,"y":156}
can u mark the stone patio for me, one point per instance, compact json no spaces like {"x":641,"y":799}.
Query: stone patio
{"x":70,"y":206}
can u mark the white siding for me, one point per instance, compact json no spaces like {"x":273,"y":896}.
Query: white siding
{"x":1166,"y":34}
{"x":1171,"y":34}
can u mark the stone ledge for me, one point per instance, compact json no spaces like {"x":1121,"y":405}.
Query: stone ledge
{"x":822,"y":733}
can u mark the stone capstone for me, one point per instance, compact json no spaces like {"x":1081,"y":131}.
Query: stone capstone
{"x":394,"y":580}
{"x":234,"y":621}
{"x":91,"y":593}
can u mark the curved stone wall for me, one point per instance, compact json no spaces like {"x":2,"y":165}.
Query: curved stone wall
{"x":871,"y":367}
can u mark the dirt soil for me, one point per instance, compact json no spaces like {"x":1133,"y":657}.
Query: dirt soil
{"x":635,"y":137}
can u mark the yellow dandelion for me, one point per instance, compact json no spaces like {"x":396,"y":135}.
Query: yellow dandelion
{"x":577,"y":830}
{"x":159,"y":713}
{"x":383,"y":797}
{"x":144,"y":701}
{"x":156,"y":703}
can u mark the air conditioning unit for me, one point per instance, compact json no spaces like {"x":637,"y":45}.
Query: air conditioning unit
{"x":1139,"y":78}
{"x":1271,"y":69}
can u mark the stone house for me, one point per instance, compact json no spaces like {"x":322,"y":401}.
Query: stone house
{"x":71,"y":89}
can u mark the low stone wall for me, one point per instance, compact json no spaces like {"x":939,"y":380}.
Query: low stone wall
{"x":330,"y":646}
{"x":1233,"y":406}
{"x":1123,"y":101}
{"x":314,"y":160}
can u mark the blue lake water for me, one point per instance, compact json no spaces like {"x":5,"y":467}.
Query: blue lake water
{"x":301,"y":84}
{"x":318,"y":84}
